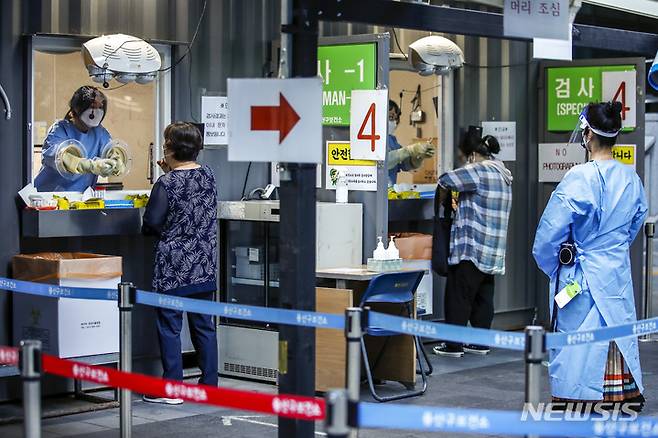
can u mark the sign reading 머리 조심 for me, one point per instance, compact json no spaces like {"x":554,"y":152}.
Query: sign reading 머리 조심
{"x":360,"y":175}
{"x":214,"y":117}
{"x":570,"y":89}
{"x":344,"y":68}
{"x":537,"y":19}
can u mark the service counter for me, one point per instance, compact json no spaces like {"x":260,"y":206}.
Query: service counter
{"x":81,"y":223}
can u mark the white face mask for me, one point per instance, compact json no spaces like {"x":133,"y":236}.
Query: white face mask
{"x":92,"y":117}
{"x":392,"y":126}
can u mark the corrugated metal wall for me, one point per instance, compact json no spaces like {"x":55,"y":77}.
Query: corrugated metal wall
{"x":485,"y":91}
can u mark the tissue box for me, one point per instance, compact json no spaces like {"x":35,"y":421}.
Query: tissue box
{"x":384,"y":265}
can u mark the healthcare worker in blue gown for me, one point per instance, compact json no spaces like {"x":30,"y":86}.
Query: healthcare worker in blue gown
{"x":402,"y":158}
{"x":599,"y":207}
{"x":68,"y":168}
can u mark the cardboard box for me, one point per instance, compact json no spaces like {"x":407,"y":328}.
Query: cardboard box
{"x":68,"y":327}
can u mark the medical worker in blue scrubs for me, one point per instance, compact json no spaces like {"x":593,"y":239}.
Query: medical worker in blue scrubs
{"x":402,"y":158}
{"x":599,"y":207}
{"x":78,"y":170}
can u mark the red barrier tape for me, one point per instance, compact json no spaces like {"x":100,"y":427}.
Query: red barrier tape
{"x":8,"y":356}
{"x":290,"y":406}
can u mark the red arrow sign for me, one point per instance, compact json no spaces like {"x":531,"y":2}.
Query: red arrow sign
{"x":280,"y":118}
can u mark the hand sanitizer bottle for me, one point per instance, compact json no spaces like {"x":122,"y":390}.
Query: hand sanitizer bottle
{"x":392,"y":253}
{"x":380,"y":251}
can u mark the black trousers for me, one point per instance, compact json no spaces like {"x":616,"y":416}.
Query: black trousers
{"x":469,"y":297}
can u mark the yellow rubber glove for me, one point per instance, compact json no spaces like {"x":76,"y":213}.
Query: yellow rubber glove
{"x":72,"y":162}
{"x":418,"y":152}
{"x":421,"y":150}
{"x":102,"y":166}
{"x":119,"y":158}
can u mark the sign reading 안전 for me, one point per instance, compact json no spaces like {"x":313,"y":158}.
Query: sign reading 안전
{"x":360,"y":175}
{"x":344,"y":68}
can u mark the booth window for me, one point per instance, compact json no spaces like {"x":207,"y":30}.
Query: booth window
{"x":137,"y":114}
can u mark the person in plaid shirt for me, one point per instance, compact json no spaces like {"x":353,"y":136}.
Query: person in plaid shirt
{"x":478,"y":237}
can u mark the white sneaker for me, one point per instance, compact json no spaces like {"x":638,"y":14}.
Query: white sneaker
{"x":162,"y":400}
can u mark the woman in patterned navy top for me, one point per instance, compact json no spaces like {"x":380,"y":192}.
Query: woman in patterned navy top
{"x":182,"y":213}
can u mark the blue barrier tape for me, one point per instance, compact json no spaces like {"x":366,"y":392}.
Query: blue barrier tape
{"x":249,"y":313}
{"x":54,"y":291}
{"x":605,"y":334}
{"x":448,"y":332}
{"x":489,"y":422}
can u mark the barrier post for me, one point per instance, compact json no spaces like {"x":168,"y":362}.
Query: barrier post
{"x":535,"y":351}
{"x":336,"y":418}
{"x":30,"y":365}
{"x":649,"y":232}
{"x":353,"y":333}
{"x":127,"y":294}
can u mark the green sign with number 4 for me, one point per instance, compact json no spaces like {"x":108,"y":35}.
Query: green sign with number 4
{"x":344,"y":68}
{"x":570,"y":89}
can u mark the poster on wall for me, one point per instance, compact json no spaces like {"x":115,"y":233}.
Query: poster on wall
{"x":360,"y":175}
{"x":214,"y":116}
{"x":505,"y":133}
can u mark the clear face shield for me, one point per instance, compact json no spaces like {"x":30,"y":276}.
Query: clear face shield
{"x":583,"y":127}
{"x":578,"y":133}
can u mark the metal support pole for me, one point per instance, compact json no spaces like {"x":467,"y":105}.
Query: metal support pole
{"x":353,"y":334}
{"x":30,"y":366}
{"x":297,"y":233}
{"x":649,"y":232}
{"x":126,"y":300}
{"x":337,"y":413}
{"x":535,"y":351}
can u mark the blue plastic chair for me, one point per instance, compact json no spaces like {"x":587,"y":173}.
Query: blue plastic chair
{"x":394,"y":288}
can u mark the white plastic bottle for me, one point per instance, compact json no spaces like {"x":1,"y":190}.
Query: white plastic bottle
{"x":380,"y":251}
{"x":392,"y":253}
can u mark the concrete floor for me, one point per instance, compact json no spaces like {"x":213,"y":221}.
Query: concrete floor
{"x":495,"y":381}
